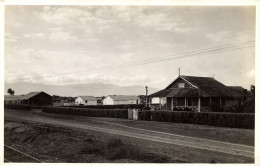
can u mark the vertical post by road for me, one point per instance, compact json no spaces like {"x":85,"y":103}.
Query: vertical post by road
{"x":146,"y":97}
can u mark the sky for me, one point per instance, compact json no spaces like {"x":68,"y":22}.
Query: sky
{"x":62,"y":45}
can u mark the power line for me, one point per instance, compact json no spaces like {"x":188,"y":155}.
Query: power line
{"x":109,"y":67}
{"x":213,"y":50}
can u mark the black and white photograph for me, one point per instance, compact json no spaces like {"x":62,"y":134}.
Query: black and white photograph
{"x":129,"y":84}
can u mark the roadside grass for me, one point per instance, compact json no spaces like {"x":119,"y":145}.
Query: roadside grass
{"x":66,"y":145}
{"x":116,"y":149}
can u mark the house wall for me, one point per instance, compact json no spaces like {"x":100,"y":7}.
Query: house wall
{"x":169,"y":103}
{"x":42,"y":99}
{"x":179,"y":80}
{"x":126,"y":102}
{"x":80,"y":101}
{"x":231,"y":102}
{"x":108,"y":101}
{"x":155,"y":100}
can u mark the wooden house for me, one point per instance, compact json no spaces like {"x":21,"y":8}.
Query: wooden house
{"x":32,"y":98}
{"x":121,"y":99}
{"x":86,"y":100}
{"x":196,"y":93}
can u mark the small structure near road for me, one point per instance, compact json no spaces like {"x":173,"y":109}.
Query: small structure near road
{"x":86,"y":100}
{"x":121,"y":99}
{"x":32,"y":98}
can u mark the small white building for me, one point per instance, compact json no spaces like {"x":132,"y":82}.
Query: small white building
{"x":158,"y":100}
{"x":86,"y":100}
{"x":121,"y":99}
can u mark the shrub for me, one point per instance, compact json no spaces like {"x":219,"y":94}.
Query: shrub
{"x":145,"y":115}
{"x":116,"y":113}
{"x":120,"y":106}
{"x":18,"y":106}
{"x":221,"y":119}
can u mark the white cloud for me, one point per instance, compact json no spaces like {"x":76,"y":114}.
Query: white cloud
{"x":63,"y":37}
{"x":218,"y":36}
{"x":182,"y":29}
{"x":245,"y":36}
{"x":64,"y":15}
{"x":9,"y":37}
{"x":34,"y":35}
{"x":250,"y":74}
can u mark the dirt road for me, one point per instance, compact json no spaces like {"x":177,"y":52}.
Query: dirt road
{"x":218,"y":148}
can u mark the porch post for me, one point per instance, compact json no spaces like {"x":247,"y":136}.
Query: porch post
{"x":172,"y":104}
{"x":220,"y":102}
{"x":185,"y":102}
{"x":199,"y":104}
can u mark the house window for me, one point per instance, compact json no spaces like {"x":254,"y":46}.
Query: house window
{"x":181,"y":85}
{"x":86,"y":101}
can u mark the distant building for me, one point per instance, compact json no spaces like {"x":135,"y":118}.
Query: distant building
{"x":120,"y":99}
{"x":86,"y":100}
{"x":32,"y":98}
{"x":63,"y":101}
{"x":100,"y":100}
{"x":196,"y":93}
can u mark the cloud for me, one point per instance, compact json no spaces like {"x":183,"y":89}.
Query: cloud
{"x":250,"y":74}
{"x":63,"y":37}
{"x":9,"y":37}
{"x":34,"y":35}
{"x":64,"y":15}
{"x":76,"y":79}
{"x":218,"y":36}
{"x":245,"y":36}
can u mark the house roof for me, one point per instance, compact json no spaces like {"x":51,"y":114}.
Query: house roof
{"x":22,"y":97}
{"x":203,"y":81}
{"x":202,"y":86}
{"x":90,"y":98}
{"x":123,"y":97}
{"x":30,"y":95}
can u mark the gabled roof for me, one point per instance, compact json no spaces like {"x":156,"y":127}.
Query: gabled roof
{"x":123,"y":97}
{"x":201,"y":86}
{"x":22,"y":97}
{"x":89,"y":98}
{"x":203,"y":81}
{"x":30,"y":95}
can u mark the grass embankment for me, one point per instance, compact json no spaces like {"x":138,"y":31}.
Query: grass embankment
{"x":56,"y":144}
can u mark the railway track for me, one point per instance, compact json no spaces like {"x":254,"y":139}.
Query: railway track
{"x":216,"y":146}
{"x":13,"y":155}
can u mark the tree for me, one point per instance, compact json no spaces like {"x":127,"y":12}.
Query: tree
{"x":10,"y":91}
{"x":252,"y":89}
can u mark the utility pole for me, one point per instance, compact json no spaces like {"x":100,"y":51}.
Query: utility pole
{"x":179,"y":71}
{"x":146,"y":89}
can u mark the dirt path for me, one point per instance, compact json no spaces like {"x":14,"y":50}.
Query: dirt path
{"x":137,"y":133}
